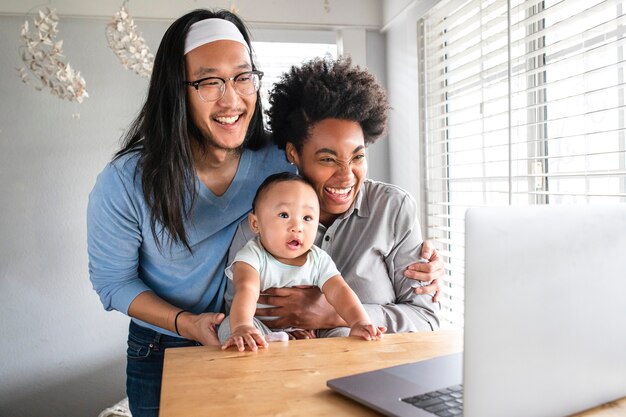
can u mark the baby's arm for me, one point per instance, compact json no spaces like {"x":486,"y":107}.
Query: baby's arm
{"x":349,"y":307}
{"x":247,"y":287}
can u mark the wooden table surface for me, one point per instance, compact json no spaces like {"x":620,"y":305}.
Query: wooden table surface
{"x":289,"y":378}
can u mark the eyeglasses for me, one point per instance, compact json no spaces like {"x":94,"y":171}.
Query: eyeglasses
{"x":213,"y":88}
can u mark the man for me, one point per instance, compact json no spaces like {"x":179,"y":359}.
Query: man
{"x":162,"y":214}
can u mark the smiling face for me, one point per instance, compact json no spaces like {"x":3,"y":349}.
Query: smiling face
{"x":286,"y":218}
{"x":223,"y":122}
{"x":332,"y":158}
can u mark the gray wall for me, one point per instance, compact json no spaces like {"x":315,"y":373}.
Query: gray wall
{"x":61,"y":354}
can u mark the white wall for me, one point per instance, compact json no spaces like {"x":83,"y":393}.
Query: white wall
{"x":61,"y":354}
{"x":272,"y":13}
{"x":378,"y":152}
{"x":400,"y":25}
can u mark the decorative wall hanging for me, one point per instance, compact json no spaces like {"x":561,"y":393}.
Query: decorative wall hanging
{"x":128,"y":45}
{"x":43,"y":60}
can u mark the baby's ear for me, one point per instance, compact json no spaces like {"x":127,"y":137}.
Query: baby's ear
{"x":253,"y":223}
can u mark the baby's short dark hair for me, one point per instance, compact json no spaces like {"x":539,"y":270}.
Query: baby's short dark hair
{"x":274,"y":179}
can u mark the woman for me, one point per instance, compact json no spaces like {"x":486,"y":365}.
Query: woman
{"x":324,"y":114}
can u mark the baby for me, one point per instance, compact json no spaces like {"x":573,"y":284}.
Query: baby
{"x":285,"y":215}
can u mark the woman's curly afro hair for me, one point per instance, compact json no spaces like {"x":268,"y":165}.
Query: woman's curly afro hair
{"x":323,"y":89}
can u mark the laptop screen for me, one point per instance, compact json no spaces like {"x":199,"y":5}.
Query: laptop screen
{"x":545,"y":322}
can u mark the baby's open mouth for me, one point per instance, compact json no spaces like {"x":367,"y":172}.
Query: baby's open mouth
{"x":294,"y":244}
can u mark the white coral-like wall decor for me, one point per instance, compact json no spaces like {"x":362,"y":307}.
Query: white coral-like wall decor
{"x":43,"y":60}
{"x":128,"y":45}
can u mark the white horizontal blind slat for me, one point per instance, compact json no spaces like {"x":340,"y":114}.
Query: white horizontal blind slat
{"x":534,"y":113}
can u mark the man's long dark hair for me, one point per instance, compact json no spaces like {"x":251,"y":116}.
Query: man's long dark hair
{"x":163,"y":133}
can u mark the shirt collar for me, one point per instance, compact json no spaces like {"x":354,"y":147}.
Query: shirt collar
{"x":359,"y":204}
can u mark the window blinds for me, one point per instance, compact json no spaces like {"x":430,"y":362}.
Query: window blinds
{"x":522,"y":103}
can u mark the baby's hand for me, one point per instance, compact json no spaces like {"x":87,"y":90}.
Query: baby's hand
{"x":367,"y":331}
{"x":245,"y":335}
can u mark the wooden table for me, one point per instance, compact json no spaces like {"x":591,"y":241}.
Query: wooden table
{"x":289,"y":378}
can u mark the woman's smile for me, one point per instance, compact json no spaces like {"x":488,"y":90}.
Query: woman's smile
{"x":333,"y":159}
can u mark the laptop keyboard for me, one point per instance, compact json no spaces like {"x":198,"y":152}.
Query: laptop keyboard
{"x":447,"y":402}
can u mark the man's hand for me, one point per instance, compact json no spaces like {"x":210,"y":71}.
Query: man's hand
{"x":304,"y":307}
{"x":430,"y":271}
{"x":200,"y":327}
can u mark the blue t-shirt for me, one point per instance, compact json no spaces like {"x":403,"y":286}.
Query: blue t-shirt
{"x":124,"y":259}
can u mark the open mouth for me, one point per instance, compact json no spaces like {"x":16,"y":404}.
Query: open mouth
{"x":227,"y":120}
{"x":339,"y":194}
{"x":294,"y":244}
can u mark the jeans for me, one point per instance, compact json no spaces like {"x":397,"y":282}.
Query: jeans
{"x":144,"y":367}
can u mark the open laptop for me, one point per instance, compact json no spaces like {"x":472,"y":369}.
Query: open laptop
{"x":545,"y":319}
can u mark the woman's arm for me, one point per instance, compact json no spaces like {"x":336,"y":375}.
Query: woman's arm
{"x":302,"y":307}
{"x":410,"y":311}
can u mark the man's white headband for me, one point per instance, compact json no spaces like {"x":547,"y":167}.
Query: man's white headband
{"x":211,"y":30}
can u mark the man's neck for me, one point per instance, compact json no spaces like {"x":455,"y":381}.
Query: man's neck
{"x":216,"y":168}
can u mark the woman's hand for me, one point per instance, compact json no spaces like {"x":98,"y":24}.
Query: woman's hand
{"x":200,"y":327}
{"x":430,"y":271}
{"x":304,"y":307}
